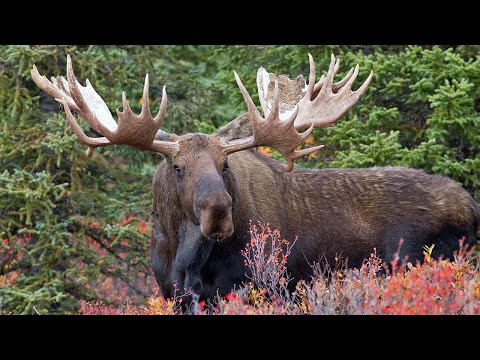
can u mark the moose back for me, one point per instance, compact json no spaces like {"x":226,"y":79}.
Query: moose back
{"x":209,"y":187}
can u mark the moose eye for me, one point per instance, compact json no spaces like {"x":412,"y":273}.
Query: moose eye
{"x":177,"y":170}
{"x":225,"y":168}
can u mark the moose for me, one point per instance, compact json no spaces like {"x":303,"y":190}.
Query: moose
{"x":208,"y":187}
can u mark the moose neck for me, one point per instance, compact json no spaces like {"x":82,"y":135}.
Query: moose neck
{"x":269,"y":174}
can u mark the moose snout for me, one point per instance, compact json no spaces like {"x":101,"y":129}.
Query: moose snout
{"x":215,"y":215}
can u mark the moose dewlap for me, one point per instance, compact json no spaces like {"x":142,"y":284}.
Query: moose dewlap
{"x":209,"y":187}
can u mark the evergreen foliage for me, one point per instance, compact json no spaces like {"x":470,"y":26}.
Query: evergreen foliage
{"x":74,"y":228}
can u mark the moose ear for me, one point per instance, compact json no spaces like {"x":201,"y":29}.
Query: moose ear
{"x":164,"y":136}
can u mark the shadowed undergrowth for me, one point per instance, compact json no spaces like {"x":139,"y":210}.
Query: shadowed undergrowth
{"x":433,"y":287}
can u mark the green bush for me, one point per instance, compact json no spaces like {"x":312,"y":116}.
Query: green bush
{"x":74,"y":227}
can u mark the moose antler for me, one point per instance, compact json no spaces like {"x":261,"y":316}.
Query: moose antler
{"x":137,"y":131}
{"x":271,"y":131}
{"x":321,"y":106}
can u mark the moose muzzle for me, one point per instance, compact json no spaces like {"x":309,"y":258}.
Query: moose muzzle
{"x":213,"y":208}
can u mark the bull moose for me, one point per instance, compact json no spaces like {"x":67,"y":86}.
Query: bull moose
{"x":209,"y":186}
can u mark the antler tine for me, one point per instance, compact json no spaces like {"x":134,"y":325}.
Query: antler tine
{"x":145,"y":98}
{"x":163,"y":107}
{"x":341,"y":83}
{"x":146,"y":103}
{"x":328,"y":82}
{"x":311,"y":78}
{"x":300,"y":153}
{"x":252,"y":109}
{"x":336,"y":86}
{"x":126,"y":115}
{"x":318,"y":86}
{"x":58,"y":93}
{"x":359,"y":92}
{"x":348,"y":85}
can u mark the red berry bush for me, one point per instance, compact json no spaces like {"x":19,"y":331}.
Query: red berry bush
{"x":433,"y":287}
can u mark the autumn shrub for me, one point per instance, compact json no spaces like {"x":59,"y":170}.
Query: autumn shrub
{"x":434,"y":287}
{"x":266,"y":260}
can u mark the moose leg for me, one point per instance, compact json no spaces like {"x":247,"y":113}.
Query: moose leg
{"x":193,"y":279}
{"x":160,"y":265}
{"x":192,"y":254}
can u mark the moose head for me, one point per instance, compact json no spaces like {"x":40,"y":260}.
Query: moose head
{"x":199,"y":162}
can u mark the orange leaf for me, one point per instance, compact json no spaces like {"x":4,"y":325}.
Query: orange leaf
{"x":309,"y":140}
{"x":265,"y":150}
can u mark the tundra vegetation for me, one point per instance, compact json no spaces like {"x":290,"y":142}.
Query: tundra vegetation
{"x":76,"y":230}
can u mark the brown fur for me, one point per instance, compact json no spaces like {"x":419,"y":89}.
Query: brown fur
{"x":346,"y":212}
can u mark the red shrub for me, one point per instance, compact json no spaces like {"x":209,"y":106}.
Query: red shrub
{"x":433,"y":287}
{"x":266,"y":259}
{"x":97,"y":308}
